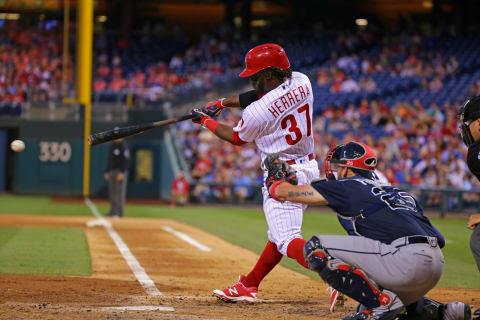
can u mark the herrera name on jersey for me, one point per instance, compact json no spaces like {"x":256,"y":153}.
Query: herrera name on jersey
{"x":290,"y":99}
{"x":281,"y":121}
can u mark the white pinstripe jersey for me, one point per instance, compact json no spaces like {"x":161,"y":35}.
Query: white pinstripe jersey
{"x":281,"y":121}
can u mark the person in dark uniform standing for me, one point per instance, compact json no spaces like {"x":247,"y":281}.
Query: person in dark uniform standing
{"x":117,"y":176}
{"x":469,"y":120}
{"x":392,"y":254}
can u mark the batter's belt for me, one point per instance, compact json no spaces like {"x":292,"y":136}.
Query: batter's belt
{"x":301,"y":160}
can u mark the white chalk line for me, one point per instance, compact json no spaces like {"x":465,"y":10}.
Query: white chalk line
{"x":139,"y":272}
{"x":186,"y":238}
{"x":138,"y":308}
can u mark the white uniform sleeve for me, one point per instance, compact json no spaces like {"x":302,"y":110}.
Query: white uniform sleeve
{"x":249,"y":127}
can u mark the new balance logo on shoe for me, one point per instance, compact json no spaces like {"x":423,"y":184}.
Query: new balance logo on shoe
{"x":237,"y":293}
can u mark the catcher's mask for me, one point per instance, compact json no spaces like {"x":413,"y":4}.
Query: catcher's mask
{"x":469,"y":112}
{"x":355,"y":155}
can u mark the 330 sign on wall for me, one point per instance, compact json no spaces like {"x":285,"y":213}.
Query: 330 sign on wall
{"x":55,"y":151}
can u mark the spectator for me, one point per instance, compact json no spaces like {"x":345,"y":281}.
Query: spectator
{"x":349,"y":85}
{"x":243,"y":185}
{"x":180,"y":190}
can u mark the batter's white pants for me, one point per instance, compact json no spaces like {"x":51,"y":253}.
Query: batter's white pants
{"x":284,"y":219}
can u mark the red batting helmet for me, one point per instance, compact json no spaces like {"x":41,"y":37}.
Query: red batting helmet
{"x":356,"y":155}
{"x":265,"y":56}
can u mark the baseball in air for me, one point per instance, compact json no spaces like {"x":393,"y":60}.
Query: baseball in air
{"x":17,"y":145}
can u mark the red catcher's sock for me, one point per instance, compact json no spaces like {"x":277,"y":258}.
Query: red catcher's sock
{"x":295,"y":251}
{"x":268,"y":260}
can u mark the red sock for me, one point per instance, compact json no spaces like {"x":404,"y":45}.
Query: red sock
{"x":268,"y":260}
{"x":295,"y":251}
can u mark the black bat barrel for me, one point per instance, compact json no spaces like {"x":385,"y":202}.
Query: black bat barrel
{"x":118,"y":133}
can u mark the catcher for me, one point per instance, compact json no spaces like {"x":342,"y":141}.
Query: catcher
{"x":392,"y":256}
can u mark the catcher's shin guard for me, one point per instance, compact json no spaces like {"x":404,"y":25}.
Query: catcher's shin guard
{"x":350,"y":281}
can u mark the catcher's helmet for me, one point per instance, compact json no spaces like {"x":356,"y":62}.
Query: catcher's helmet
{"x":468,"y":112}
{"x":265,"y":56}
{"x":355,"y":155}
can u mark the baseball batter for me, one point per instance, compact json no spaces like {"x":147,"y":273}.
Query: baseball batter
{"x":392,"y":256}
{"x":280,"y":122}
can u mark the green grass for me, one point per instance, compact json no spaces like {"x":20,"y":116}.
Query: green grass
{"x":51,"y":251}
{"x":39,"y":205}
{"x":247,"y":228}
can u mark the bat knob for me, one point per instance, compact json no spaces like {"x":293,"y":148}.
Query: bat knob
{"x":90,"y":140}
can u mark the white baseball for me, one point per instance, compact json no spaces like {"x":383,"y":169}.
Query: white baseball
{"x":17,"y":145}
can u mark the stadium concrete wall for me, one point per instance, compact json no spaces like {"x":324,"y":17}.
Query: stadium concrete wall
{"x":52,"y":162}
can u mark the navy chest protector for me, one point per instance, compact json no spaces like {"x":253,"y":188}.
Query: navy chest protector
{"x":473,"y":159}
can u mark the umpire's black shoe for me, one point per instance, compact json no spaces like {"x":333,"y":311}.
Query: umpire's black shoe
{"x":477,"y":314}
{"x":391,"y":312}
{"x":113,"y":215}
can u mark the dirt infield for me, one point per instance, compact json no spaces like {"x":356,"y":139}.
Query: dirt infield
{"x":184,"y":275}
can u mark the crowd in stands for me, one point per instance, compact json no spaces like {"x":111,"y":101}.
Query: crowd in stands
{"x":397,"y":92}
{"x":215,"y":165}
{"x":412,"y":127}
{"x":420,"y":147}
{"x":158,"y":65}
{"x":194,"y":67}
{"x":30,"y":66}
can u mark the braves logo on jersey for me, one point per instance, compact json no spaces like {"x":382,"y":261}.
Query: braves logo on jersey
{"x":281,"y":121}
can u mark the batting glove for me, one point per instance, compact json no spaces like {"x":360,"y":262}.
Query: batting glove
{"x":201,"y":116}
{"x":213,"y":108}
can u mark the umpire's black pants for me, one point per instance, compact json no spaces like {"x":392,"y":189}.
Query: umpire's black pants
{"x":117,"y":191}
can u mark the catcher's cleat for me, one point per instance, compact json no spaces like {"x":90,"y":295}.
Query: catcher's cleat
{"x":237,"y":293}
{"x":336,"y":298}
{"x":457,"y":311}
{"x":390,"y":312}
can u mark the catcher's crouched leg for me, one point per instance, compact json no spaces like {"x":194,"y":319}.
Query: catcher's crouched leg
{"x":343,"y":277}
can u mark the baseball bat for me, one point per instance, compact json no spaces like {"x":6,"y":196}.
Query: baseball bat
{"x":113,"y":134}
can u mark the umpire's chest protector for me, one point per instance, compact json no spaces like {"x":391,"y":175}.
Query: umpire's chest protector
{"x":473,"y":159}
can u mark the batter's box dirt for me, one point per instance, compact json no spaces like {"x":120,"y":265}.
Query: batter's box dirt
{"x":186,"y":287}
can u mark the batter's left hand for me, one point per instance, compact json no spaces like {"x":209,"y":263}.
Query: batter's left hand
{"x":201,"y":116}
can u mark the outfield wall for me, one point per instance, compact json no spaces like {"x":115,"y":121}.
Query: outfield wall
{"x":52,"y":162}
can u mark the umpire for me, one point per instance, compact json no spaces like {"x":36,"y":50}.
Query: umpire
{"x":469,"y":119}
{"x":117,"y":176}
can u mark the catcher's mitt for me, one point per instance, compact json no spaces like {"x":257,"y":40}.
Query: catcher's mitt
{"x":290,"y":173}
{"x":278,"y":171}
